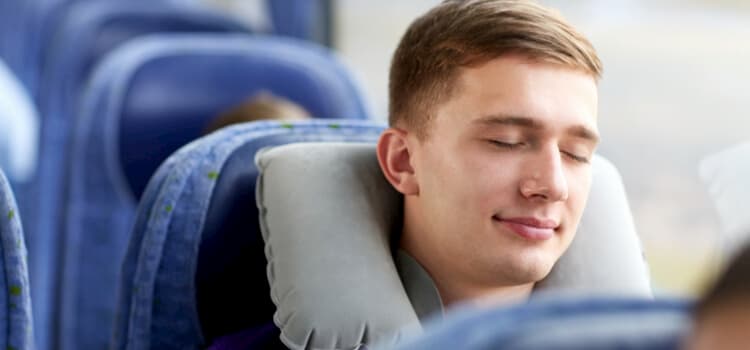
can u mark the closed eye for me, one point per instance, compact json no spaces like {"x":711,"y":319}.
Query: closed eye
{"x":507,"y":145}
{"x":576,"y":157}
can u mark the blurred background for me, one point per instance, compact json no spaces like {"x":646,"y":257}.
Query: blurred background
{"x":674,"y":91}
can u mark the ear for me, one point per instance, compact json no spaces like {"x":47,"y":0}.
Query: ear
{"x":395,"y":160}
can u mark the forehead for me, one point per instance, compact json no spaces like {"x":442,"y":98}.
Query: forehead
{"x":552,"y":95}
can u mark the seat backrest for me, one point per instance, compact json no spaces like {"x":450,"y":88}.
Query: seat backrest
{"x":15,"y":303}
{"x":557,"y":324}
{"x":6,"y":23}
{"x":149,"y":98}
{"x":25,"y":28}
{"x":302,"y":19}
{"x":198,"y":227}
{"x":13,"y":34}
{"x":94,"y":28}
{"x":84,"y":32}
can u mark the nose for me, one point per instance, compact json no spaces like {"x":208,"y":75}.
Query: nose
{"x":544,"y":178}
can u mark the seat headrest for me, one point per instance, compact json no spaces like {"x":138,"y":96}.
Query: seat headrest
{"x":106,"y":25}
{"x":185,"y":80}
{"x":326,"y":213}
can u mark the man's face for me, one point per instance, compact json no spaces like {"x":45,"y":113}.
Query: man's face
{"x":503,"y":174}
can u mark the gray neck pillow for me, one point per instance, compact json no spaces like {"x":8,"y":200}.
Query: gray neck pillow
{"x":326,"y":215}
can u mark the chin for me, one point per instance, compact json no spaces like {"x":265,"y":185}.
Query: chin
{"x":532,"y":270}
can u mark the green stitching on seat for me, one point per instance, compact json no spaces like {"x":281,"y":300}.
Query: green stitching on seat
{"x":11,"y":214}
{"x":334,"y":126}
{"x":169,"y":208}
{"x":15,"y":290}
{"x":287,"y":126}
{"x":213,"y":175}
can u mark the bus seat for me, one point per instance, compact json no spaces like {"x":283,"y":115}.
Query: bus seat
{"x":150,"y":97}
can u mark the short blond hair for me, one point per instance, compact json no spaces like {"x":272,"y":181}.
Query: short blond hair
{"x":464,"y":33}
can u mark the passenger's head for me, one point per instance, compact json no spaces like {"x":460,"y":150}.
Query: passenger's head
{"x":493,"y":115}
{"x":427,"y":66}
{"x":722,"y":316}
{"x":259,"y":107}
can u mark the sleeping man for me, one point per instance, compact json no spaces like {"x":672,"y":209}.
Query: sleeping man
{"x":493,"y":124}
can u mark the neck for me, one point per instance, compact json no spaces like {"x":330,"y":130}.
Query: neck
{"x":486,"y":296}
{"x":456,"y":291}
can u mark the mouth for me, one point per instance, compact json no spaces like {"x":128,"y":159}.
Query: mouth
{"x":530,"y":228}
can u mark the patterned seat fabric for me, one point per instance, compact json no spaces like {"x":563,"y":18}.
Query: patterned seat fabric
{"x":15,"y":303}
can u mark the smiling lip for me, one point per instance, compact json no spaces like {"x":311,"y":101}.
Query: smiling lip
{"x":530,"y":228}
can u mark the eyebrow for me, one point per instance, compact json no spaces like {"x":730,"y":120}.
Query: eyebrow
{"x":578,"y":131}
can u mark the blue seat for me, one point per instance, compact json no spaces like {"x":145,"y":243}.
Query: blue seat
{"x":22,"y":26}
{"x":85,"y":32}
{"x":11,"y":32}
{"x":5,"y":23}
{"x":15,"y":303}
{"x":302,"y":19}
{"x":196,"y":233}
{"x":149,"y":98}
{"x":562,"y":323}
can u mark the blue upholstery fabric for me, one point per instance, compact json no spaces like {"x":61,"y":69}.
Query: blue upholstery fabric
{"x":12,"y":34}
{"x":145,"y":205}
{"x":150,"y":97}
{"x":199,"y":263}
{"x":23,"y":26}
{"x":15,"y":302}
{"x":7,"y":21}
{"x":92,"y":29}
{"x":554,"y":323}
{"x":302,"y":19}
{"x":18,"y":139}
{"x":40,"y":19}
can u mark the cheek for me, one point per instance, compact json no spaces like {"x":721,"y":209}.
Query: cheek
{"x":579,"y":186}
{"x":493,"y":182}
{"x":442,"y":182}
{"x":460,"y":182}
